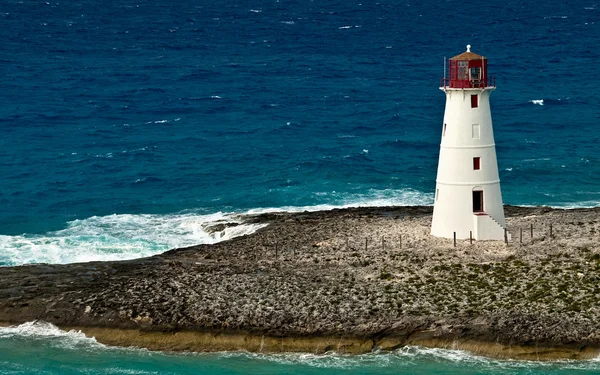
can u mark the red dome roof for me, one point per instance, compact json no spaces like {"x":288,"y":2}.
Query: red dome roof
{"x":467,"y":56}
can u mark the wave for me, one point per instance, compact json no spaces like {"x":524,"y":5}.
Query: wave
{"x":373,"y":198}
{"x":39,"y":330}
{"x":549,"y":101}
{"x":121,"y":237}
{"x":573,"y":205}
{"x":403,"y":359}
{"x":411,"y":357}
{"x":131,"y":236}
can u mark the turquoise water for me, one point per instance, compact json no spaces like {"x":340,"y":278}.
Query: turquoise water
{"x":127,"y":127}
{"x":43,"y":349}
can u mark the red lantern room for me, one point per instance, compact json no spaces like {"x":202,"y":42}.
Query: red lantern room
{"x":468,"y":70}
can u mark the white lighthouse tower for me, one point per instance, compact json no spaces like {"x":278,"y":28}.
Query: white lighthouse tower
{"x":468,"y":200}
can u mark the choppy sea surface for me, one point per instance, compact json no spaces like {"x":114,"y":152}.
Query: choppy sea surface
{"x":126,"y":128}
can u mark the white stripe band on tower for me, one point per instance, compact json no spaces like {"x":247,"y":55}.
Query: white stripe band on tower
{"x":477,"y":183}
{"x":461,"y":147}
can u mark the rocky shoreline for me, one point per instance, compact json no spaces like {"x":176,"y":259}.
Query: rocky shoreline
{"x":350,"y":280}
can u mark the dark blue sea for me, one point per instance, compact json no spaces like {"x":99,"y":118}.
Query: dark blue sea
{"x":126,"y":127}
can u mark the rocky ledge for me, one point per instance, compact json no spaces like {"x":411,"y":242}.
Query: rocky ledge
{"x":350,"y":280}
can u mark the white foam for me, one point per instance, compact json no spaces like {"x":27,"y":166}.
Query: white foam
{"x":453,"y":355}
{"x":326,"y":360}
{"x":119,"y":237}
{"x":39,"y":330}
{"x":129,"y":236}
{"x":403,"y":357}
{"x":373,"y":198}
{"x":584,"y":204}
{"x":537,"y":101}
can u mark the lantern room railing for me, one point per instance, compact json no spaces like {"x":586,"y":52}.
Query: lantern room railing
{"x":468,"y":84}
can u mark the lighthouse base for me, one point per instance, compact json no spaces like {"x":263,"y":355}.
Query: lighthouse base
{"x":486,"y":228}
{"x":469,"y":211}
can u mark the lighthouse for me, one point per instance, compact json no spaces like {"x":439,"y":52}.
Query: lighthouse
{"x":468,"y":200}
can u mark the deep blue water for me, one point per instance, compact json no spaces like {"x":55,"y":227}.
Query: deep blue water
{"x":127,"y":126}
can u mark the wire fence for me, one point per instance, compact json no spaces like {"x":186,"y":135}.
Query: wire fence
{"x":517,"y":236}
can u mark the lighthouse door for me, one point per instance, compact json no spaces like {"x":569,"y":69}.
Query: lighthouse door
{"x":477,"y":201}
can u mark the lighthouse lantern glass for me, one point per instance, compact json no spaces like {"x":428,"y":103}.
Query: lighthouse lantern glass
{"x":463,"y":67}
{"x":468,"y":70}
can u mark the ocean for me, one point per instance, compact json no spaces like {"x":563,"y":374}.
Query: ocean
{"x":127,"y":127}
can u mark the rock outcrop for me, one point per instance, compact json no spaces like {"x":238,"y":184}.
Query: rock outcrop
{"x":351,"y":280}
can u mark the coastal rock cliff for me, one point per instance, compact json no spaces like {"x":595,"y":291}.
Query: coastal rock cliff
{"x":351,"y":280}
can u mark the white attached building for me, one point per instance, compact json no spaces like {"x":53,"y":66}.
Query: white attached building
{"x":468,"y":200}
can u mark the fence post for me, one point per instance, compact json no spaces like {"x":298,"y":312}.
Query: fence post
{"x":521,"y":235}
{"x":400,"y":241}
{"x":531,"y":230}
{"x":383,"y":243}
{"x":471,"y":237}
{"x":505,"y":236}
{"x":454,"y":239}
{"x":550,"y":230}
{"x":366,"y":244}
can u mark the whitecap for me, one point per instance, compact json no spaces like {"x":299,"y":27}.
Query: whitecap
{"x":399,"y":359}
{"x":130,"y":236}
{"x":108,"y":155}
{"x":345,"y":27}
{"x":537,"y":101}
{"x":121,"y":237}
{"x":39,"y":330}
{"x":373,"y":198}
{"x":325,"y":360}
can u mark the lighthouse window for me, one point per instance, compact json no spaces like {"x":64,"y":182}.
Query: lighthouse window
{"x":476,"y":163}
{"x":474,"y":101}
{"x":463,"y":70}
{"x":475,"y":74}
